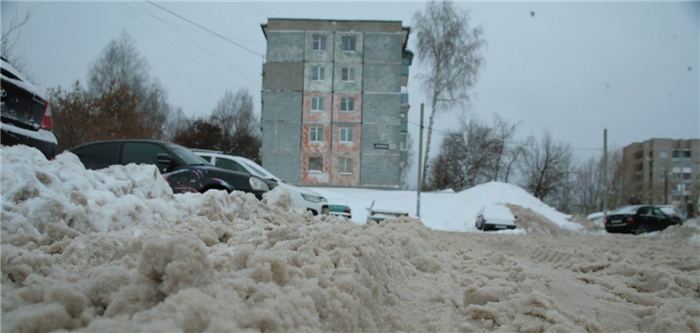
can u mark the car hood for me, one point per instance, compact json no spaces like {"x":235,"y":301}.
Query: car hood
{"x":299,"y":189}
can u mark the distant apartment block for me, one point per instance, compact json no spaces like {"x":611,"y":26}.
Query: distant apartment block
{"x":666,"y":171}
{"x":334,"y":101}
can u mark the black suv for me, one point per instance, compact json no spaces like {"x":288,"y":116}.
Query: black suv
{"x":26,"y":115}
{"x":180,"y":167}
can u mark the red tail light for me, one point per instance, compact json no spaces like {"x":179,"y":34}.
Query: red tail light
{"x":372,"y":213}
{"x":630,"y":219}
{"x":347,"y":211}
{"x":47,"y":122}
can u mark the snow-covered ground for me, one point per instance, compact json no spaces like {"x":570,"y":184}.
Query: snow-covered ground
{"x":447,"y":210}
{"x":115,"y":250}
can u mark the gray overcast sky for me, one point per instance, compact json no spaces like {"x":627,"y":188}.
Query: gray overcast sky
{"x":572,"y":68}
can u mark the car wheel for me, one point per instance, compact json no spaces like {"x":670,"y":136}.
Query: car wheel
{"x":642,"y":229}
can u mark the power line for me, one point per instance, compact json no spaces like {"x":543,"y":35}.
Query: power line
{"x":166,"y":40}
{"x":203,"y":48}
{"x":205,"y":29}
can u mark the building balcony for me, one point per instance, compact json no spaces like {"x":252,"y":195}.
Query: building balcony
{"x":404,"y":127}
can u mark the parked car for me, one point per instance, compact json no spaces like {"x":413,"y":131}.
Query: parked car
{"x":180,"y":167}
{"x":382,"y":211}
{"x":303,"y":198}
{"x":495,"y":217}
{"x":26,"y":114}
{"x":674,"y":212}
{"x":638,"y":219}
{"x":340,"y":208}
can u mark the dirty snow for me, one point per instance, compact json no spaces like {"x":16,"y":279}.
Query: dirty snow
{"x":115,"y":251}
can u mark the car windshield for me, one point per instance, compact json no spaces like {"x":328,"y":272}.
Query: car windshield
{"x":626,"y":210}
{"x":187,"y":155}
{"x":258,"y":170}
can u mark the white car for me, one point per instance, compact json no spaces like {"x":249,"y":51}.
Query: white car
{"x":381,"y":212}
{"x":495,"y":217}
{"x":303,"y":198}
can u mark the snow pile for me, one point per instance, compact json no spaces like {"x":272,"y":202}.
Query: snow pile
{"x":450,"y":211}
{"x":115,"y":251}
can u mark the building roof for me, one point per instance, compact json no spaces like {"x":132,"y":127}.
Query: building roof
{"x":302,"y":24}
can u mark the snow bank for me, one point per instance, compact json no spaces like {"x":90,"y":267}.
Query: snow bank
{"x":450,"y":211}
{"x":115,"y":251}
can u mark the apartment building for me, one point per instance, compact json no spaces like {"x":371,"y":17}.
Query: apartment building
{"x":334,"y":101}
{"x":666,"y":171}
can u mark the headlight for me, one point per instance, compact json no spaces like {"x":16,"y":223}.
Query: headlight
{"x":258,"y":184}
{"x":313,"y":198}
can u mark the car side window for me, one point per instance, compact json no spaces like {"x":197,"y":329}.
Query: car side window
{"x":643,"y":211}
{"x":99,"y":156}
{"x":659,"y":213}
{"x":229,"y":165}
{"x":206,"y":158}
{"x":143,"y":153}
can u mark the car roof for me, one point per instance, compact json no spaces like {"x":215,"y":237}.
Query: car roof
{"x":129,"y":140}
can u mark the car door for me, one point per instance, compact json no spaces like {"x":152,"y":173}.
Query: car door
{"x":177,"y":176}
{"x":100,"y":155}
{"x":663,"y":221}
{"x":644,"y":217}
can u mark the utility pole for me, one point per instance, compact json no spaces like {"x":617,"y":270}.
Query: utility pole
{"x":605,"y":174}
{"x":420,"y":159}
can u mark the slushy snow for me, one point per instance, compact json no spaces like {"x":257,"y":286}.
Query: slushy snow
{"x":115,"y":250}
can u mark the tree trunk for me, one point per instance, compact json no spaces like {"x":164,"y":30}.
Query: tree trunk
{"x":427,"y":143}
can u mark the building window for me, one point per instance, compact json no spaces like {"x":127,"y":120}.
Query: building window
{"x":348,"y":75}
{"x":686,"y":153}
{"x":663,"y":154}
{"x":347,"y":134}
{"x":345,"y":165}
{"x":318,"y":73}
{"x":676,"y":153}
{"x":318,"y":103}
{"x":316,"y":134}
{"x":315,"y":164}
{"x":347,"y":104}
{"x":404,"y":141}
{"x":319,"y":43}
{"x":348,"y":43}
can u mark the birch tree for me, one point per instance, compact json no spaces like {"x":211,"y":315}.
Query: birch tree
{"x":450,"y":51}
{"x":121,"y":63}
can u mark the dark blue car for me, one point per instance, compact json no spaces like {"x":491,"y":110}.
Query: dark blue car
{"x":180,"y":167}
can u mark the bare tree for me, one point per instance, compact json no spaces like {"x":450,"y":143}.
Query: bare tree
{"x":240,"y":133}
{"x":120,"y":62}
{"x":85,"y":118}
{"x":176,"y":122}
{"x":588,"y":185}
{"x":544,"y":166}
{"x":503,"y":133}
{"x":10,"y":36}
{"x":466,"y":158}
{"x":450,"y":49}
{"x":201,"y":133}
{"x":512,"y":156}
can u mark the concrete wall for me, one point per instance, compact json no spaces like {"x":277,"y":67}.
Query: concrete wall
{"x":383,"y":48}
{"x":380,"y":170}
{"x":382,"y":78}
{"x":376,"y":119}
{"x":283,"y":76}
{"x":285,"y":46}
{"x":285,"y":165}
{"x":282,"y":106}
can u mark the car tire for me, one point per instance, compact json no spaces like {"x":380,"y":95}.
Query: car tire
{"x":642,"y":229}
